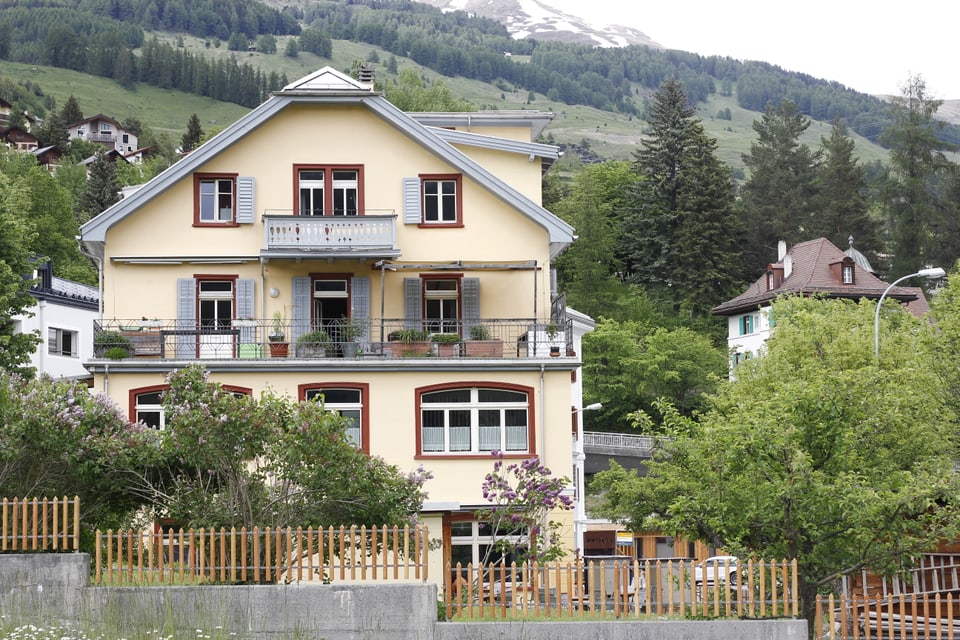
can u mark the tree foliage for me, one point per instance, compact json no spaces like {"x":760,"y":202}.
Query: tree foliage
{"x":103,"y":187}
{"x":411,"y":93}
{"x":232,"y":460}
{"x":629,"y":366}
{"x":916,"y":156}
{"x":58,"y":439}
{"x":15,"y":266}
{"x":818,"y":451}
{"x":779,"y":197}
{"x":681,"y":237}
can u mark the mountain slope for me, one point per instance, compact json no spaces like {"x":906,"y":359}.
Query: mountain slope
{"x":537,"y":20}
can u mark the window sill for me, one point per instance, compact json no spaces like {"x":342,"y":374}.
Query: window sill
{"x":440,"y":225}
{"x":218,"y":225}
{"x":472,"y":455}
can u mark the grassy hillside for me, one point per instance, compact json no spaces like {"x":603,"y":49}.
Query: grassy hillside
{"x":610,"y":135}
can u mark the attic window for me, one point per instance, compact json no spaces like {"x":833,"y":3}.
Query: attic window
{"x":847,"y":271}
{"x":770,"y":281}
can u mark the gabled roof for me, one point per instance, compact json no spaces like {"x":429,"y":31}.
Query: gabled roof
{"x":98,"y":117}
{"x":327,"y":86}
{"x":810,"y":272}
{"x":546,"y":152}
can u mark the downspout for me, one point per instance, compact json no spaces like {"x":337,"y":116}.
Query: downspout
{"x":263,"y":293}
{"x":543,"y":419}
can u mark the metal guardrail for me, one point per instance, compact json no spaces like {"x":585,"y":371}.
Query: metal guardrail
{"x":619,"y":441}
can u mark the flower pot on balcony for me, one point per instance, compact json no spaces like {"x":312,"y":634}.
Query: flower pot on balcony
{"x":483,"y":348}
{"x":349,"y":349}
{"x":554,"y":351}
{"x":279,"y":348}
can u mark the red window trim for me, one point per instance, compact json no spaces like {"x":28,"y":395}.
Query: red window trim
{"x":456,"y":177}
{"x":467,"y":384}
{"x":364,"y":389}
{"x":197,"y":178}
{"x":328,"y":180}
{"x":136,"y":391}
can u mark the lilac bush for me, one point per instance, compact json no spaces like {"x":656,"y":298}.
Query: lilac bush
{"x":522,"y":497}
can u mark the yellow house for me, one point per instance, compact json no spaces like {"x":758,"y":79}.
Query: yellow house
{"x":412,"y":247}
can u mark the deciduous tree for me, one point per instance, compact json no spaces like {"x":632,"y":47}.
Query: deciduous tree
{"x":818,"y":451}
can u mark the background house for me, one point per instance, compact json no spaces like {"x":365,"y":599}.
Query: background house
{"x":411,"y":249}
{"x":104,"y":130}
{"x":808,"y":268}
{"x":63,"y":316}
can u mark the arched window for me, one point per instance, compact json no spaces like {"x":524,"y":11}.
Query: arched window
{"x":465,"y":420}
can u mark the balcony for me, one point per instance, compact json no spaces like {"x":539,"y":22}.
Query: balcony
{"x":370,"y":339}
{"x":372,"y":235}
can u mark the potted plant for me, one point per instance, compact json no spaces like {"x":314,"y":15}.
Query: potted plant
{"x":481,"y":343}
{"x":410,"y":342}
{"x":350,"y":330}
{"x":313,"y":344}
{"x":111,"y":344}
{"x":447,"y":345}
{"x":279,"y":347}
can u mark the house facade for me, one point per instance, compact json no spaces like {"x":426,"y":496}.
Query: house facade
{"x":63,"y":317}
{"x":106,"y":131}
{"x":397,"y":265}
{"x":815,"y":267}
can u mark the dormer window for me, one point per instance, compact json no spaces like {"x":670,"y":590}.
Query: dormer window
{"x":847,"y":272}
{"x":770,"y":281}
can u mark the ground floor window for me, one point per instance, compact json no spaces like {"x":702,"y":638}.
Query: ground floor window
{"x":475,"y":420}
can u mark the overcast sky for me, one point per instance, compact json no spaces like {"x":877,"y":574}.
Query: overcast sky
{"x":869,"y":46}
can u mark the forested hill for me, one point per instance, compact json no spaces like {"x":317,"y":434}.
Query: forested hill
{"x":107,"y":38}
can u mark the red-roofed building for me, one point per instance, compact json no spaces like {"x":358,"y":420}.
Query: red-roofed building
{"x":808,"y":268}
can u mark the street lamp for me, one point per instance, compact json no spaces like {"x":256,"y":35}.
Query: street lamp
{"x":579,"y":457}
{"x":931,"y":273}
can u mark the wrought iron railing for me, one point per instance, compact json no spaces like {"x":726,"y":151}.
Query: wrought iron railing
{"x":257,"y":338}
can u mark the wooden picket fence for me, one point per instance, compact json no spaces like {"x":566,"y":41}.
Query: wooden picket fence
{"x":261,"y":555}
{"x":619,"y":589}
{"x":40,"y":524}
{"x":927,"y":615}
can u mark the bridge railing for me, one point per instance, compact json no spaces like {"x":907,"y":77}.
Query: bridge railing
{"x":638,"y":444}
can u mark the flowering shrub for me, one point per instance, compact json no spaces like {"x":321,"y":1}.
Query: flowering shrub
{"x":522,"y":497}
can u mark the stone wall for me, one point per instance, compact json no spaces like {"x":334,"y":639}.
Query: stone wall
{"x":52,"y":589}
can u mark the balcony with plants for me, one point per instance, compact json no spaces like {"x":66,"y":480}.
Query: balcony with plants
{"x":277,"y":339}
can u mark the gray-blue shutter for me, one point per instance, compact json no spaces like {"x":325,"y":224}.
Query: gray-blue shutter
{"x":302,"y":297}
{"x":245,"y":289}
{"x":411,"y":201}
{"x":412,"y":303}
{"x":187,"y":317}
{"x":245,"y":200}
{"x":360,"y":305}
{"x":470,"y":297}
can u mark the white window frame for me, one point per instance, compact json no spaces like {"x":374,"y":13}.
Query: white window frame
{"x":353,"y":411}
{"x":477,"y":540}
{"x":463,"y":431}
{"x":437,"y":296}
{"x":141,"y":408}
{"x":440,"y":205}
{"x":847,"y":271}
{"x":56,"y":342}
{"x":213,"y":193}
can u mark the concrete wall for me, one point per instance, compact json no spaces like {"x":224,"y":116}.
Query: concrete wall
{"x":51,"y":589}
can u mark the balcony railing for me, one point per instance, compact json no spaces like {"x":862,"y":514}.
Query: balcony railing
{"x":255,"y":339}
{"x":374,"y":231}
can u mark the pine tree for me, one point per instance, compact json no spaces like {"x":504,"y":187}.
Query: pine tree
{"x":917,"y":159}
{"x":779,"y":197}
{"x":103,"y":187}
{"x":192,"y":137}
{"x":681,"y":238}
{"x":71,"y":113}
{"x":843,"y":208}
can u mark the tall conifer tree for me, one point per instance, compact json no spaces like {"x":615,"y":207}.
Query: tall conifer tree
{"x":681,"y":238}
{"x":779,"y":197}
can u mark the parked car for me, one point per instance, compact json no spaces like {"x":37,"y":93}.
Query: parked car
{"x":722,"y":569}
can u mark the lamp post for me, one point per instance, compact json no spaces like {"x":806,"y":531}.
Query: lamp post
{"x":579,"y":457}
{"x":931,"y":273}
